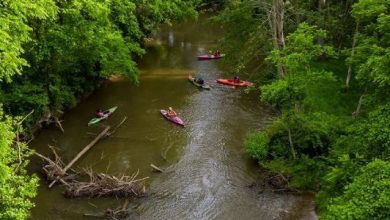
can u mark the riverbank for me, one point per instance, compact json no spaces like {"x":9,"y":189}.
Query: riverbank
{"x":329,"y":84}
{"x":207,"y":173}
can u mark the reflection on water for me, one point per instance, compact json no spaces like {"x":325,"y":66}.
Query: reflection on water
{"x":207,"y":171}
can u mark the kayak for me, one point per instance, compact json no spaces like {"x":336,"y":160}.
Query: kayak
{"x":231,"y":82}
{"x":210,"y":57}
{"x":107,"y":113}
{"x":174,"y":120}
{"x":192,"y":80}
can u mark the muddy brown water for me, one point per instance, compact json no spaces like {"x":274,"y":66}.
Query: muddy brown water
{"x":208,"y":173}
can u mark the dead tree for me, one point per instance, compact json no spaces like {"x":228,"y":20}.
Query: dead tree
{"x":17,"y":139}
{"x":356,"y":113}
{"x":276,"y":22}
{"x":349,"y":73}
{"x":55,"y":170}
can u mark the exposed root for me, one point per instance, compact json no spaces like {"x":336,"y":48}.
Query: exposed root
{"x":275,"y":182}
{"x":51,"y":118}
{"x":278,"y":181}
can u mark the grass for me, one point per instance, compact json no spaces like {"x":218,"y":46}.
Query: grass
{"x":332,"y":96}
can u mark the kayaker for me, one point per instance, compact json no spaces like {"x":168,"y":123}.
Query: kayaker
{"x":199,"y":80}
{"x":171,"y":113}
{"x":217,"y":53}
{"x":236,"y":79}
{"x":99,"y":113}
{"x":211,"y":54}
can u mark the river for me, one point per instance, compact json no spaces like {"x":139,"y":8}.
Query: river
{"x":208,"y":174}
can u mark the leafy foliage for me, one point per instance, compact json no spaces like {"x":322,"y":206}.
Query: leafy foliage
{"x":16,"y":187}
{"x":14,"y":32}
{"x":257,"y":146}
{"x":315,"y":140}
{"x":302,"y":49}
{"x":244,"y":44}
{"x":367,"y":197}
{"x":68,"y":47}
{"x":53,"y":51}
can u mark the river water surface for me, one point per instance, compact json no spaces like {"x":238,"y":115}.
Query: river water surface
{"x":207,"y":173}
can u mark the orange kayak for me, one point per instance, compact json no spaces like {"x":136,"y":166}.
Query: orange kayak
{"x":231,"y":82}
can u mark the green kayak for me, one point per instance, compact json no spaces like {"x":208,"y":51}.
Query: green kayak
{"x":107,"y":113}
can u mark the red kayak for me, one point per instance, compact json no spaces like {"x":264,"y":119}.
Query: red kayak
{"x":210,"y":57}
{"x":231,"y":82}
{"x":174,"y":120}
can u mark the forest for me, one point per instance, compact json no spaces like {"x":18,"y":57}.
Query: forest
{"x":52,"y":54}
{"x":320,"y":64}
{"x":325,"y":71}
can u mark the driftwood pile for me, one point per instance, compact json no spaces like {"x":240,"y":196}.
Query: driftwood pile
{"x":103,"y":185}
{"x":99,"y":185}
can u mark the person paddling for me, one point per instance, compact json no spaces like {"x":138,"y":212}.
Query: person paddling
{"x":171,"y":113}
{"x":199,"y":80}
{"x":236,"y":79}
{"x":99,"y":113}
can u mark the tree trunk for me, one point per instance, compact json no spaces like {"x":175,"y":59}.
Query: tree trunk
{"x":356,"y":113}
{"x":291,"y":144}
{"x":349,"y":74}
{"x":280,"y":23}
{"x":344,"y":19}
{"x":80,"y":154}
{"x":276,"y":22}
{"x":321,"y":6}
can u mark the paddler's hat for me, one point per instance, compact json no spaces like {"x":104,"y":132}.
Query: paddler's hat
{"x":170,"y":109}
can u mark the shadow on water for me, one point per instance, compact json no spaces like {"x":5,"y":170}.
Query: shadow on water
{"x":208,"y":172}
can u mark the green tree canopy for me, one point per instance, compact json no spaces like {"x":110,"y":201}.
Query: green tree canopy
{"x":367,"y":197}
{"x":15,"y":31}
{"x":16,"y":187}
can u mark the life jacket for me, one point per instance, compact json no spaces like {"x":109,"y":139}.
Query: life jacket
{"x":171,"y":113}
{"x":99,"y":114}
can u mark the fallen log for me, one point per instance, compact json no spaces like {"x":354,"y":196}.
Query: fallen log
{"x":79,"y":155}
{"x":116,"y":127}
{"x":156,"y":168}
{"x":58,"y":122}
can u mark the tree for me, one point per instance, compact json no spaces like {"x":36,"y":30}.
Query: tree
{"x":367,"y":197}
{"x":16,"y":186}
{"x":52,"y":53}
{"x":87,"y":41}
{"x":314,"y":140}
{"x":372,"y":53}
{"x":15,"y":30}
